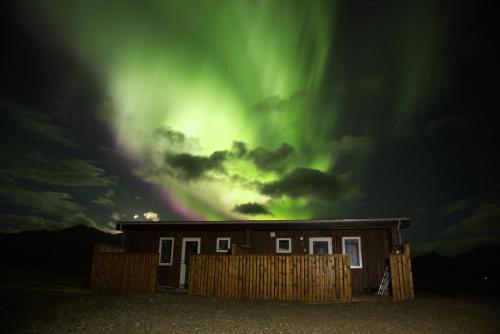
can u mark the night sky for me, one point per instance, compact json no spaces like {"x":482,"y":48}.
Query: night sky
{"x":220,"y":110}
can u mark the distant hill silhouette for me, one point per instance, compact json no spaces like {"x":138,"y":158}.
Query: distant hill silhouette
{"x":475,"y":271}
{"x":62,"y":252}
{"x":433,"y":265}
{"x":477,"y":262}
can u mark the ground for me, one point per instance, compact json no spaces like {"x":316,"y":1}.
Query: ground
{"x":58,"y":310}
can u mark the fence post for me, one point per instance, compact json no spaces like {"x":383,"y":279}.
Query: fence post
{"x":406,"y":249}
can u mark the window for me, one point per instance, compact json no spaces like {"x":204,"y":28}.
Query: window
{"x":166,"y":251}
{"x":320,"y":245}
{"x":283,"y":245}
{"x":352,"y":247}
{"x":223,"y":245}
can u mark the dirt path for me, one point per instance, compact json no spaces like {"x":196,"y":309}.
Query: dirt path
{"x":59,"y":312}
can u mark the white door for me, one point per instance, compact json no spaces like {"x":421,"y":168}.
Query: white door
{"x":190,"y":246}
{"x":320,"y":245}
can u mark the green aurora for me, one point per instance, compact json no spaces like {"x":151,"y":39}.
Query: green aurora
{"x":228,"y":104}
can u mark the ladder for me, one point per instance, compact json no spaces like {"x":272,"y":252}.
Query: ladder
{"x":383,"y":289}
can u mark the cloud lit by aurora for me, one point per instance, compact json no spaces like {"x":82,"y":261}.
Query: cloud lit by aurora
{"x":216,"y":73}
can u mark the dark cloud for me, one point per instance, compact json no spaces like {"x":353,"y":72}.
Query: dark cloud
{"x":170,"y":135}
{"x":106,"y":199}
{"x":457,"y":206}
{"x":484,"y":221}
{"x":251,"y":209}
{"x":42,"y":125}
{"x":454,"y":246}
{"x":45,"y":202}
{"x":239,"y":149}
{"x":308,"y":183}
{"x":263,"y":158}
{"x":80,"y":219}
{"x":271,"y":160}
{"x":11,"y":223}
{"x":188,"y":167}
{"x":70,"y":172}
{"x":479,"y":225}
{"x":173,"y":141}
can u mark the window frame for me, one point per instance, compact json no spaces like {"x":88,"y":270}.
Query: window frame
{"x":359,"y":250}
{"x":327,"y":239}
{"x":171,"y":252}
{"x":283,"y":251}
{"x":218,"y":250}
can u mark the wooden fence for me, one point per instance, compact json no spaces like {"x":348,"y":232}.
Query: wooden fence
{"x":304,"y":278}
{"x":124,"y":272}
{"x":402,"y":275}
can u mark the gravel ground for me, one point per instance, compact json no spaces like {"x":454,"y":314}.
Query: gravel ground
{"x":38,"y":311}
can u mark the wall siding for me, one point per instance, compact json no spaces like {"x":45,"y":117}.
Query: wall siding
{"x":376,"y":245}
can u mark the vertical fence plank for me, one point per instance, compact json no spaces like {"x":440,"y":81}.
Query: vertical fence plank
{"x":401,"y":279}
{"x":394,"y":278}
{"x":320,"y":278}
{"x":342,"y":269}
{"x":329,"y":273}
{"x":252,"y":276}
{"x":411,"y":295}
{"x":404,"y":276}
{"x":288,"y":277}
{"x":271,"y":277}
{"x":349,"y":279}
{"x":263,"y":278}
{"x":225,"y":289}
{"x":230,"y":280}
{"x":237,"y":268}
{"x":266,"y":278}
{"x":234,"y":265}
{"x":259,"y":276}
{"x":245,"y":276}
{"x":209,"y":276}
{"x":310,"y":279}
{"x":292,"y":277}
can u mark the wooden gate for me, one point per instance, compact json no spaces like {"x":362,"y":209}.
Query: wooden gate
{"x":115,"y":271}
{"x":304,"y":278}
{"x":401,"y":275}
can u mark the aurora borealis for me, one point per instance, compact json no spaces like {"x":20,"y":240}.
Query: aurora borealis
{"x":179,"y":93}
{"x":249,"y":110}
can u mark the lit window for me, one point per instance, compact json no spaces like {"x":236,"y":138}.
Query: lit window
{"x":352,"y":246}
{"x":223,"y":245}
{"x":283,"y":245}
{"x":166,"y":251}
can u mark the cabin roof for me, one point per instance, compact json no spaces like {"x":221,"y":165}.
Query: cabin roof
{"x":317,"y":224}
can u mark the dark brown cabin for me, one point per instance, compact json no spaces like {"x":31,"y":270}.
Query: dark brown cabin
{"x":368,"y":242}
